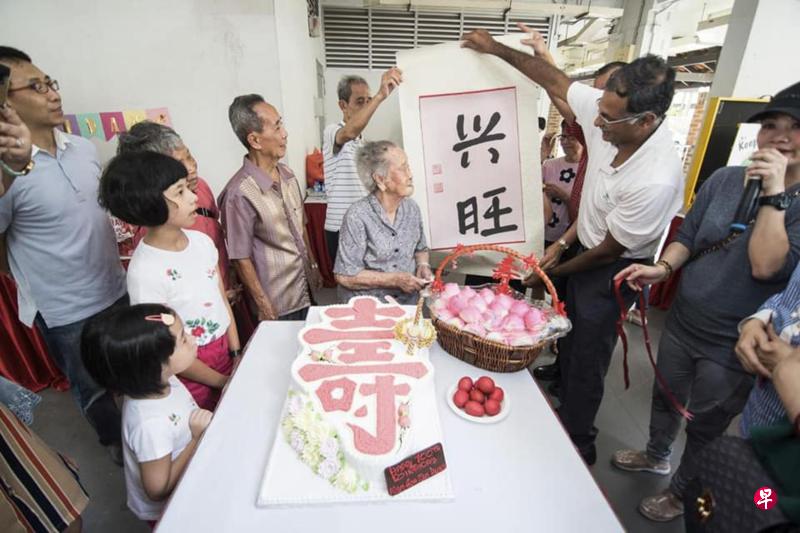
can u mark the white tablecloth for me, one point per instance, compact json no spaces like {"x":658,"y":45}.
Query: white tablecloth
{"x":522,"y":474}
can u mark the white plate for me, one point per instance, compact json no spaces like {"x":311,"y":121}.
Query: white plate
{"x":505,"y":408}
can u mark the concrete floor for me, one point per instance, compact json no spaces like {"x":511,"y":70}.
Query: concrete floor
{"x":623,"y":422}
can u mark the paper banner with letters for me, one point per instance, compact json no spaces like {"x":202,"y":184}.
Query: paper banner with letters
{"x":160,"y":116}
{"x":89,"y":125}
{"x":71,"y":125}
{"x":132,"y":116}
{"x":113,"y":123}
{"x":471,"y":136}
{"x":107,"y":124}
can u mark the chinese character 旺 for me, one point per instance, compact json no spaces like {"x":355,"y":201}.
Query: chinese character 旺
{"x":495,"y":212}
{"x":467,"y":215}
{"x":484,"y":136}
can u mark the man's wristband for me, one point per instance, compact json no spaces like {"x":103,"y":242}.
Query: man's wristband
{"x":234,"y":353}
{"x":563,"y":244}
{"x":666,"y":266}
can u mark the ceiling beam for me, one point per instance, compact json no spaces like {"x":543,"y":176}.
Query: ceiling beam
{"x":531,"y":7}
{"x":697,"y":77}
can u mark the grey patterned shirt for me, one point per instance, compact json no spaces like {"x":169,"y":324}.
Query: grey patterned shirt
{"x":368,"y":241}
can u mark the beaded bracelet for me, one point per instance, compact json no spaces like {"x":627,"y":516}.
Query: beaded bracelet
{"x":666,"y":266}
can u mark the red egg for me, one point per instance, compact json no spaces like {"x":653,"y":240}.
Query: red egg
{"x":497,"y":394}
{"x":474,"y":409}
{"x":492,"y":407}
{"x":460,"y":398}
{"x":485,"y":384}
{"x":476,"y":396}
{"x":465,"y":383}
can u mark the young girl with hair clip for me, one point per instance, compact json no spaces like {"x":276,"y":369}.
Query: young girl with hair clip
{"x":173,"y":265}
{"x":137,"y":351}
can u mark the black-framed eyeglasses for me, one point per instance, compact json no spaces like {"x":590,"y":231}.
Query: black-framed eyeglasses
{"x":40,"y":86}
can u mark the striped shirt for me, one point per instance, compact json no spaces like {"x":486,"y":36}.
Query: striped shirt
{"x":263,"y":221}
{"x":764,"y":406}
{"x":41,"y":490}
{"x":342,"y":184}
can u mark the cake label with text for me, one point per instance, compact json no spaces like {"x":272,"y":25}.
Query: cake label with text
{"x":415,"y":469}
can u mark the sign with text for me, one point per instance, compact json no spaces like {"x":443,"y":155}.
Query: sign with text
{"x":415,"y":469}
{"x":472,"y":140}
{"x":470,"y":146}
{"x":745,"y":143}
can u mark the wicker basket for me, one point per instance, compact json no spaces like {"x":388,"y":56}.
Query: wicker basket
{"x":478,"y":351}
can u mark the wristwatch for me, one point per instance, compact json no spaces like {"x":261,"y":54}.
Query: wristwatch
{"x":24,"y":172}
{"x":780,"y":201}
{"x":563,"y":244}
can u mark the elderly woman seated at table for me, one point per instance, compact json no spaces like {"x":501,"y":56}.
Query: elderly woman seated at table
{"x":382,"y":248}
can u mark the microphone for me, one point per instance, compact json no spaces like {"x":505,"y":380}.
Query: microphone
{"x":747,"y":205}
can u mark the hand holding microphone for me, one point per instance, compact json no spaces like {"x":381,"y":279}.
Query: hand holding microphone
{"x":765,"y":173}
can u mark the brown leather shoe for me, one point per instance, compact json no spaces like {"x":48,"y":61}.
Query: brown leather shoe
{"x":661,"y":507}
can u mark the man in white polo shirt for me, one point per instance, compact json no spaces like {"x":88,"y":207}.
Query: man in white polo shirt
{"x":633,"y":188}
{"x":340,"y":143}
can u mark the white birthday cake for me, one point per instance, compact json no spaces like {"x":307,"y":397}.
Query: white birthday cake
{"x":351,"y":401}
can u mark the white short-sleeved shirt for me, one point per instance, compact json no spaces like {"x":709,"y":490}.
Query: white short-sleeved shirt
{"x":152,"y":429}
{"x":634,"y":201}
{"x":187,"y":281}
{"x":342,"y":184}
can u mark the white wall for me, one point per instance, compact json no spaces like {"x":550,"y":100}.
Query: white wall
{"x":385,"y":123}
{"x":192,"y":56}
{"x":297,"y":54}
{"x":757,"y":57}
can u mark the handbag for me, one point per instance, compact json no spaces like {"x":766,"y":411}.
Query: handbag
{"x":720,"y":497}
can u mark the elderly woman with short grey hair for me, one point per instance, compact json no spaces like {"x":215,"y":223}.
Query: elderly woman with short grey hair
{"x":150,"y":136}
{"x":382,"y":247}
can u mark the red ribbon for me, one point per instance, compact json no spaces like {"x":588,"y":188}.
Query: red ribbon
{"x":623,"y":314}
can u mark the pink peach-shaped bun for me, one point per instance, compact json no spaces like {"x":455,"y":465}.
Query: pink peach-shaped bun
{"x":520,"y":339}
{"x":504,"y":300}
{"x":470,"y":315}
{"x":455,"y":321}
{"x":496,"y":336}
{"x":451,"y":289}
{"x":477,"y":329}
{"x":487,"y":295}
{"x":469,"y":292}
{"x":519,"y":308}
{"x":513,"y":323}
{"x":498,"y":309}
{"x":479,"y":304}
{"x":445,"y":314}
{"x":456,"y":304}
{"x":439,"y":304}
{"x":533,"y":318}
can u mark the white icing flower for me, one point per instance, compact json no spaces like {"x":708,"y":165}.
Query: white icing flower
{"x":305,"y":420}
{"x":311,"y":456}
{"x":287,"y":426}
{"x":347,"y":479}
{"x":295,"y":405}
{"x":328,"y":468}
{"x":297,"y":441}
{"x":319,"y":432}
{"x":329,"y":448}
